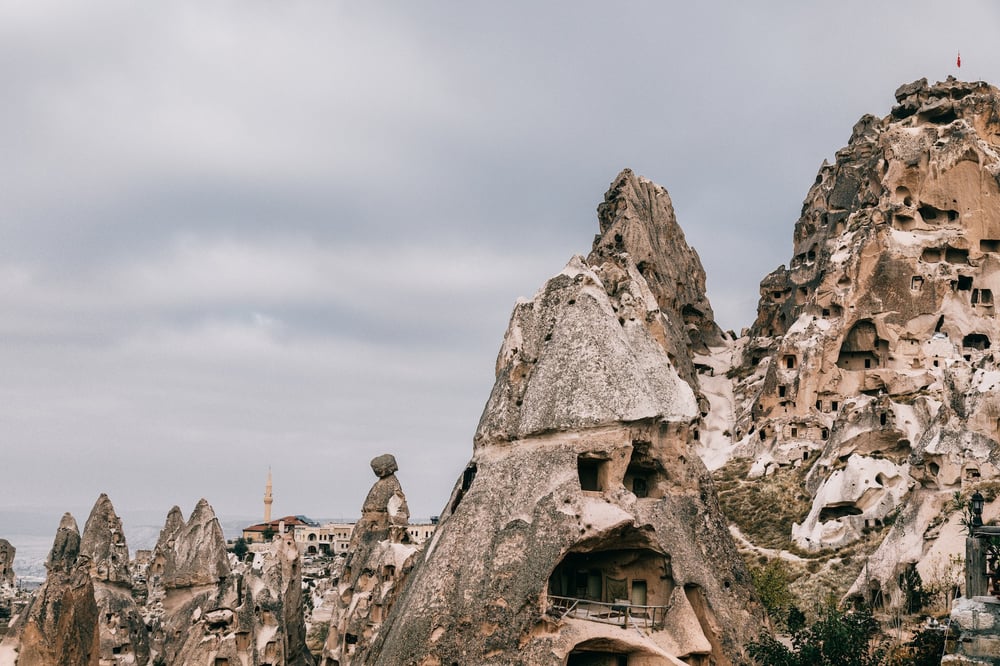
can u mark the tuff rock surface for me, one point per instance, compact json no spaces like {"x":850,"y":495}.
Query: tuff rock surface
{"x":59,"y":627}
{"x":872,"y":362}
{"x":203,"y":611}
{"x":124,"y":639}
{"x":6,"y":563}
{"x":380,"y":557}
{"x":584,"y":483}
{"x":202,"y":606}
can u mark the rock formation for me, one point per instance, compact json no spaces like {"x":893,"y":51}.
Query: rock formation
{"x":124,"y":639}
{"x":379,"y":559}
{"x":204,"y":612}
{"x":60,"y":625}
{"x":585,"y":528}
{"x":6,"y":563}
{"x":872,"y":359}
{"x":202,"y":607}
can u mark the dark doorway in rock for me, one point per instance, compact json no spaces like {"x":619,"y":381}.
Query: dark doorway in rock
{"x":838,"y":511}
{"x":644,"y":472}
{"x":592,"y":469}
{"x":595,"y":658}
{"x":976,"y":341}
{"x":862,"y":348}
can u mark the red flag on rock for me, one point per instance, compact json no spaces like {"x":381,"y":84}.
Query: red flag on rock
{"x":959,"y":61}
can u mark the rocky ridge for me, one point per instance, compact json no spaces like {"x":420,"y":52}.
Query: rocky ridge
{"x":871,"y":365}
{"x":201,"y":606}
{"x":585,"y":497}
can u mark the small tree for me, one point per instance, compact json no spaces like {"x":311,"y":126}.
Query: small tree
{"x":837,"y":638}
{"x":771,"y":583}
{"x":240,"y":548}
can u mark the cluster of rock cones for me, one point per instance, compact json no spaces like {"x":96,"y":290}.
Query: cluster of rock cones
{"x":586,"y":527}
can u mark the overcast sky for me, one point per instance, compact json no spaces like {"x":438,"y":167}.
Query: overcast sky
{"x":241,"y":234}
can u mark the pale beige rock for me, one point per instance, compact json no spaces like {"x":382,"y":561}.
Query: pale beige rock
{"x":584,"y":461}
{"x":60,"y":625}
{"x":7,"y":552}
{"x":378,"y":562}
{"x":205,"y":612}
{"x":124,"y":639}
{"x":876,"y":344}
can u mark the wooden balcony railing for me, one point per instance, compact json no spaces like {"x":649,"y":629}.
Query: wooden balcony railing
{"x":621,"y":613}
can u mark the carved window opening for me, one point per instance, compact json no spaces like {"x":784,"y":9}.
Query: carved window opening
{"x":834,"y":405}
{"x":789,"y":361}
{"x":976,"y":341}
{"x":838,"y":511}
{"x":644,"y":472}
{"x":824,"y":433}
{"x":989,"y":245}
{"x":592,"y":468}
{"x":781,"y":391}
{"x":964,"y":282}
{"x":931,"y":255}
{"x":584,"y":657}
{"x":468,"y":476}
{"x":954,"y":255}
{"x":862,"y":348}
{"x":916,"y":283}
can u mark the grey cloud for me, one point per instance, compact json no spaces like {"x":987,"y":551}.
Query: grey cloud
{"x":291,"y":234}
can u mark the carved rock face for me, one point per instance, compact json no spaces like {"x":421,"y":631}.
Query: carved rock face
{"x":7,"y":552}
{"x":379,"y":559}
{"x":60,"y":625}
{"x":103,"y":541}
{"x":122,"y":627}
{"x":584,"y":496}
{"x":872,"y":357}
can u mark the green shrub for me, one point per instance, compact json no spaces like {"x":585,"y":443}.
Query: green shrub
{"x":837,"y":638}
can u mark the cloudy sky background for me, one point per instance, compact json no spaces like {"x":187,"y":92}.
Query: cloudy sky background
{"x":241,"y":234}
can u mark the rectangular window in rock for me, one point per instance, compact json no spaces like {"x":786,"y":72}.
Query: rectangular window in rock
{"x":592,"y":472}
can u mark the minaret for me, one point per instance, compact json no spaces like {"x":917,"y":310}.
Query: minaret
{"x":268,"y":498}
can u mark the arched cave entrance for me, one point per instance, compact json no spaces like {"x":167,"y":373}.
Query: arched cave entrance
{"x":862,"y":348}
{"x":618,"y":578}
{"x":612,"y":652}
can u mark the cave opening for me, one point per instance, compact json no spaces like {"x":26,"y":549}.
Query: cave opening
{"x":838,"y":511}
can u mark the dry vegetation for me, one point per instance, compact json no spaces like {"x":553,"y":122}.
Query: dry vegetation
{"x":763,"y":509}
